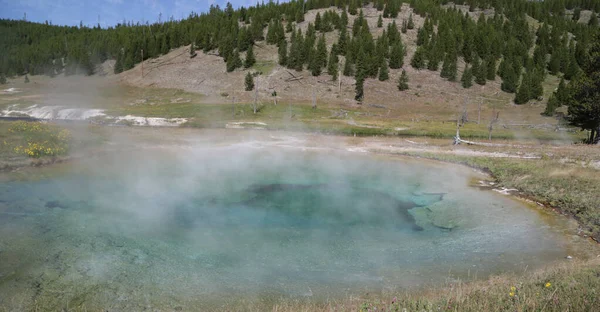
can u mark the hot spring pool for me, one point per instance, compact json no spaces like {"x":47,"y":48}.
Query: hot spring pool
{"x":194,"y":226}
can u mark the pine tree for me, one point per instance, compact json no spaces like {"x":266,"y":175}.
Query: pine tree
{"x":449,"y":68}
{"x":361,"y":74}
{"x":250,"y":59}
{"x":2,"y":78}
{"x":87,"y":65}
{"x":411,"y":23}
{"x":249,"y":82}
{"x":118,"y":68}
{"x":332,"y":64}
{"x":418,"y":60}
{"x":593,"y":22}
{"x":380,"y":21}
{"x":359,"y":89}
{"x":128,"y":63}
{"x":26,"y":79}
{"x":322,"y":51}
{"x":551,"y":106}
{"x":467,"y":77}
{"x":318,"y":22}
{"x":343,"y":41}
{"x":383,"y":71}
{"x":480,"y":75}
{"x":403,"y":81}
{"x":397,"y":55}
{"x":315,"y":63}
{"x":535,"y":84}
{"x":352,"y":8}
{"x":348,"y":69}
{"x":509,"y":79}
{"x":554,"y":64}
{"x":234,"y":61}
{"x":404,"y":28}
{"x":524,"y":92}
{"x":576,"y":14}
{"x":282,"y":52}
{"x":561,"y":94}
{"x":192,"y":50}
{"x":572,"y":68}
{"x":491,"y":68}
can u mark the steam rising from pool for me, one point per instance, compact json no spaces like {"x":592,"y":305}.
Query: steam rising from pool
{"x":198,"y":225}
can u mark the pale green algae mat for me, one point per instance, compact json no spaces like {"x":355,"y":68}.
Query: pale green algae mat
{"x":194,"y":227}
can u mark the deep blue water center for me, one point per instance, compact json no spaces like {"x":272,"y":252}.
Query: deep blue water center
{"x":197,"y":225}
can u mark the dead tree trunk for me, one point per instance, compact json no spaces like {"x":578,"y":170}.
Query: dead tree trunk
{"x":494,"y":120}
{"x":314,"y":99}
{"x":233,"y":108}
{"x":255,"y":98}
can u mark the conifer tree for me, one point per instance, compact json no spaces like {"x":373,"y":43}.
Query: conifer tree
{"x":344,"y":18}
{"x":249,"y":82}
{"x":509,"y":79}
{"x":491,"y":68}
{"x":561,"y":93}
{"x":250,"y":59}
{"x":404,"y":28}
{"x":554,"y":64}
{"x":572,"y":68}
{"x":383,"y":71}
{"x":467,"y":77}
{"x":352,"y":8}
{"x":434,"y":54}
{"x":361,"y":74}
{"x":322,"y":51}
{"x":379,"y":22}
{"x":26,"y":78}
{"x":576,"y":14}
{"x":524,"y":92}
{"x":315,"y":64}
{"x":536,"y":88}
{"x":418,"y":60}
{"x":318,"y":22}
{"x":480,"y":75}
{"x":343,"y":41}
{"x":348,"y":69}
{"x":192,"y":50}
{"x":449,"y":68}
{"x":234,"y":61}
{"x":397,"y":56}
{"x":593,"y":22}
{"x":551,"y":106}
{"x":411,"y":23}
{"x":88,"y":66}
{"x":282,"y":53}
{"x":2,"y":78}
{"x":332,"y":64}
{"x":118,"y":68}
{"x":403,"y":81}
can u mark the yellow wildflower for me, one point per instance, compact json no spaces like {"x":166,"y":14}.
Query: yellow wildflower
{"x":548,"y":285}
{"x":512,"y":293}
{"x":513,"y":288}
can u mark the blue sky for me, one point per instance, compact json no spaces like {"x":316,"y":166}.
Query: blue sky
{"x":109,"y":12}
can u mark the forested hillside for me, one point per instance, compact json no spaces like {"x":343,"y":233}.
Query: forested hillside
{"x":519,"y":41}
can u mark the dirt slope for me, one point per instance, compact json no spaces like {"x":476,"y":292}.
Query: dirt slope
{"x":429,"y":97}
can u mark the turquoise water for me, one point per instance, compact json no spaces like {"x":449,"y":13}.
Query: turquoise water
{"x":188,"y":227}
